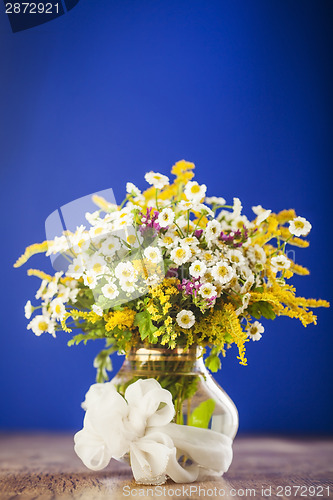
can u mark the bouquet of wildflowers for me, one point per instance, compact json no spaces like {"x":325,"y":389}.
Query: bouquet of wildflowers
{"x":171,"y":267}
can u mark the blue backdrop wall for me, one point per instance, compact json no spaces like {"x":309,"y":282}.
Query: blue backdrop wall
{"x":113,"y":89}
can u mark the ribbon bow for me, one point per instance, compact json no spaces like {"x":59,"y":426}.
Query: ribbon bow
{"x":140,"y":424}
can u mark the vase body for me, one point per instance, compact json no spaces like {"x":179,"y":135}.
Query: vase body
{"x":197,"y":398}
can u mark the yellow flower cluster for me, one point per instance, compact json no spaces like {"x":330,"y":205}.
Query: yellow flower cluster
{"x":123,"y":319}
{"x":285,"y":303}
{"x":160,"y":305}
{"x":218,"y":327}
{"x":183,"y":172}
{"x":39,"y":274}
{"x":30,"y":251}
{"x":75,"y":314}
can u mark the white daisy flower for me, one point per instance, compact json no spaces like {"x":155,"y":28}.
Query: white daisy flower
{"x":153,"y":254}
{"x":261,"y":214}
{"x":222,"y":272}
{"x":236,"y":257}
{"x":57,"y":308}
{"x":237,"y":207}
{"x":194,"y":192}
{"x":169,"y":240}
{"x":41,"y":289}
{"x":212,"y":230}
{"x":204,"y":209}
{"x":80,"y":240}
{"x":132,"y":189}
{"x":93,"y":218}
{"x":280,"y":262}
{"x":184,"y":206}
{"x":110,"y":291}
{"x":51,"y":290}
{"x":40,"y":324}
{"x":207,"y":290}
{"x":255,"y":330}
{"x":90,"y":279}
{"x":127,"y":286}
{"x":99,"y":230}
{"x":59,"y":244}
{"x":300,"y":226}
{"x":28,"y":310}
{"x":209,"y":258}
{"x":157,"y":180}
{"x":76,"y":268}
{"x":125,"y":271}
{"x":97,"y":310}
{"x":239,"y":222}
{"x":97,"y":265}
{"x":214,"y":200}
{"x":166,"y":217}
{"x":256,"y":254}
{"x":191,"y":241}
{"x":185,"y":319}
{"x":181,"y":254}
{"x":110,"y":245}
{"x":197,"y":268}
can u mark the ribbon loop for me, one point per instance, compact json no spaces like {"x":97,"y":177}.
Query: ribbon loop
{"x":140,"y":424}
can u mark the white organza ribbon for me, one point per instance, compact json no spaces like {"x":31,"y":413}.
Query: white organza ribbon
{"x":139,"y":424}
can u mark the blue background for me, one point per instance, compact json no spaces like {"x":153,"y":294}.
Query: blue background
{"x":113,"y":89}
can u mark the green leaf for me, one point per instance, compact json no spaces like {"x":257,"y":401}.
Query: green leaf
{"x":81,"y":337}
{"x":261,"y":308}
{"x":213,"y":362}
{"x":201,"y":416}
{"x":103,"y":364}
{"x":146,"y":328}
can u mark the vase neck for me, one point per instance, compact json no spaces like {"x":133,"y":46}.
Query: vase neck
{"x":152,"y":360}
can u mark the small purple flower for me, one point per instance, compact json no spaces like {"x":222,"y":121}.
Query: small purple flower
{"x":198,"y":233}
{"x":189,"y":287}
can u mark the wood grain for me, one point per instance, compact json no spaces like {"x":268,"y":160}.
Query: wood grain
{"x":44,"y":466}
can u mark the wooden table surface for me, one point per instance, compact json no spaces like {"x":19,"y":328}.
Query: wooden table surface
{"x":45,"y":466}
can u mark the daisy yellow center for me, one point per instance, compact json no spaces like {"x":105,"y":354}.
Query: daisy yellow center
{"x":42,"y":325}
{"x":299,"y":224}
{"x":81,"y":242}
{"x":153,"y":255}
{"x":57,"y":309}
{"x":131,"y":239}
{"x":168,"y":240}
{"x":180,"y":253}
{"x":90,"y":280}
{"x":195,"y":189}
{"x":186,"y":319}
{"x":234,"y":258}
{"x":97,"y":268}
{"x":222,"y":271}
{"x":98,"y":230}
